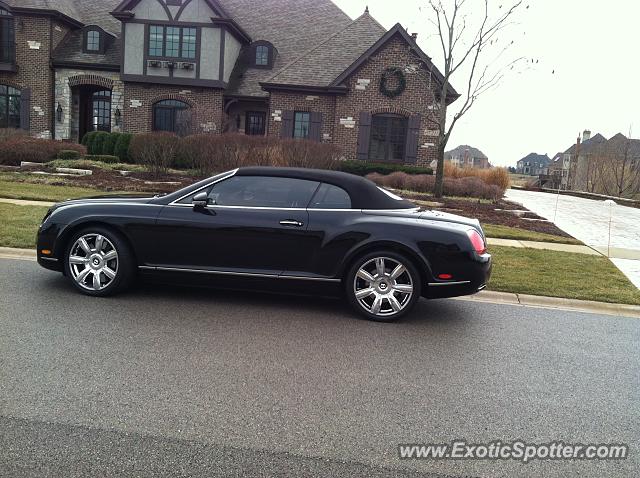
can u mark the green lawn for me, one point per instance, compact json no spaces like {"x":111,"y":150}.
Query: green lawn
{"x":42,"y":191}
{"x":506,"y":232}
{"x":560,"y":274}
{"x":20,"y":225}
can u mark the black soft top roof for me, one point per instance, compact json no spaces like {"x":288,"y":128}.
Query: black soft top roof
{"x":364,"y":193}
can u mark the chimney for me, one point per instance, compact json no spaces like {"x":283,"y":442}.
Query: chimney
{"x":586,"y":134}
{"x":414,"y":36}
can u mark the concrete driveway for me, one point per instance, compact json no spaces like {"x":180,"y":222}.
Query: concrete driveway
{"x":165,"y":381}
{"x":588,"y":221}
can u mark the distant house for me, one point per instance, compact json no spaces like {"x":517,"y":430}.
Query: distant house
{"x":533,"y":164}
{"x":467,"y":157}
{"x":570,"y":169}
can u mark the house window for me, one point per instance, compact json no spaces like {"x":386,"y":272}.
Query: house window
{"x":172,"y":42}
{"x":7,"y":38}
{"x":171,"y":115}
{"x":101,"y":111}
{"x":301,"y":124}
{"x":9,"y":107}
{"x":388,"y":137}
{"x":255,"y":123}
{"x":93,"y":40}
{"x":262,"y":55}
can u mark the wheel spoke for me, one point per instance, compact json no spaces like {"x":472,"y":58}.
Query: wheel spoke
{"x":110,"y":255}
{"x":377,"y":304}
{"x":380,"y":266}
{"x":395,"y":305}
{"x":364,"y":275}
{"x":404,"y":288}
{"x":99,"y":243}
{"x":78,"y":260}
{"x":81,"y":277}
{"x":83,"y":244}
{"x":398,"y":271}
{"x":362,"y":293}
{"x":108,"y":272}
{"x":96,"y":280}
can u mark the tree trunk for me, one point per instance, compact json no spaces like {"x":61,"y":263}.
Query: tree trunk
{"x":438,"y":188}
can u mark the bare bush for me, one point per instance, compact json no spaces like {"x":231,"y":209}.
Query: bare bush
{"x":157,"y":151}
{"x":18,"y":148}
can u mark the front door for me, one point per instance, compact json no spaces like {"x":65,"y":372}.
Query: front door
{"x":252,"y":224}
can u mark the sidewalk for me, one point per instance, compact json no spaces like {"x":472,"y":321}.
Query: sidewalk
{"x":550,"y":246}
{"x":24,"y":202}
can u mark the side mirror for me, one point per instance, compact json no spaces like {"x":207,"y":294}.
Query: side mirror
{"x":200,"y":200}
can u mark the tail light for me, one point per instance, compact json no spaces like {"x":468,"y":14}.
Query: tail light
{"x":477,"y":241}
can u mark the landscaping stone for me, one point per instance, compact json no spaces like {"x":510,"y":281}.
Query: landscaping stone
{"x":77,"y":172}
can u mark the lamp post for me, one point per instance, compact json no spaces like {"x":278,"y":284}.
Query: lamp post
{"x":610,"y":203}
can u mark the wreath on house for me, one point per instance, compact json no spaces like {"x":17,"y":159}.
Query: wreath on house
{"x":389,"y":74}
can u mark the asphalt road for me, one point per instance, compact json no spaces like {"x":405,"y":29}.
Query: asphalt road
{"x":166,"y":381}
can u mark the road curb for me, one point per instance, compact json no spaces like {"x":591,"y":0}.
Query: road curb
{"x":489,"y":296}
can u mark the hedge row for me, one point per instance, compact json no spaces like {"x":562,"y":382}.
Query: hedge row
{"x":362,"y":168}
{"x":102,"y":143}
{"x":17,"y":149}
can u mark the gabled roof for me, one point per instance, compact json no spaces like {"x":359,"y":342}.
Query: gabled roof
{"x":127,"y":5}
{"x":465,"y":151}
{"x":308,"y":23}
{"x":327,"y":60}
{"x":586,"y":146}
{"x":542,"y":159}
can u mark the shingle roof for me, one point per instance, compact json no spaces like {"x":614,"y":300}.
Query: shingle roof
{"x":585,"y":146}
{"x":536,"y":158}
{"x":70,"y":51}
{"x":461,"y":151}
{"x":323,"y":63}
{"x":308,"y":23}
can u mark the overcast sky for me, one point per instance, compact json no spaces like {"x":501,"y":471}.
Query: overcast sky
{"x":591,"y":46}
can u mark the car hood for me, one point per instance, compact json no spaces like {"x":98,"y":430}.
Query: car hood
{"x":107,"y":199}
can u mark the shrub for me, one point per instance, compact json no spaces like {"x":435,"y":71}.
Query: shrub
{"x":157,"y":151}
{"x":88,"y":138}
{"x":210,"y":153}
{"x":104,"y":158}
{"x":497,"y":176}
{"x":121,"y":148}
{"x":109,"y":144}
{"x":68,"y":154}
{"x":95,"y":146}
{"x":362,"y":168}
{"x":21,"y":148}
{"x":468,"y":186}
{"x":9,"y":133}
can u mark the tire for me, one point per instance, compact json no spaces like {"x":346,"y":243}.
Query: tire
{"x":113,"y":263}
{"x":396,"y":291}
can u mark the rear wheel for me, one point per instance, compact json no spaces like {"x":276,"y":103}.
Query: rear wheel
{"x":383,"y":286}
{"x":98,"y":262}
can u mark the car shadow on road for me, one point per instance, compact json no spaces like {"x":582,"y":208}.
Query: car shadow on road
{"x":327,"y":305}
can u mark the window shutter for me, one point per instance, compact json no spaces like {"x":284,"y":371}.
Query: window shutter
{"x":315,"y":129}
{"x":364,"y":132}
{"x":25,"y":109}
{"x":286,"y":130}
{"x":413,"y":135}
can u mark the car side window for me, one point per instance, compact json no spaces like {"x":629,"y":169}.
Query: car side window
{"x":263,"y":191}
{"x":329,"y":196}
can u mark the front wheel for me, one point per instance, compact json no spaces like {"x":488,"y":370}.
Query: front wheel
{"x":383,"y":286}
{"x":98,"y":262}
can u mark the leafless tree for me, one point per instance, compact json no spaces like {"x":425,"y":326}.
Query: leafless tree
{"x":618,"y":163}
{"x":473,"y":48}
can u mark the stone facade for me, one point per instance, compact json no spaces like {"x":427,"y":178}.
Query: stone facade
{"x":33,"y":50}
{"x":65,"y":82}
{"x":139,"y":98}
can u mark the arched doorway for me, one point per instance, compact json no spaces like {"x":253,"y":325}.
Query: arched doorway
{"x":94,"y":109}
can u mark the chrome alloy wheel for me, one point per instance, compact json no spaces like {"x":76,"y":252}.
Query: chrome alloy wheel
{"x":93,"y":262}
{"x":383,"y":286}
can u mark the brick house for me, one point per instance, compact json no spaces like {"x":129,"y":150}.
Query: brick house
{"x":284,"y":68}
{"x":465,"y":156}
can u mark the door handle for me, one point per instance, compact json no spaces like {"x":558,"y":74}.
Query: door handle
{"x":291,"y":222}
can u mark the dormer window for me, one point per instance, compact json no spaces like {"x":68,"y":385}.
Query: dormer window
{"x":93,"y":40}
{"x":263,"y":54}
{"x":7,"y":37}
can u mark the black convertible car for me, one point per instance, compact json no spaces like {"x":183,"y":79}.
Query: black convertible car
{"x":284,"y":225}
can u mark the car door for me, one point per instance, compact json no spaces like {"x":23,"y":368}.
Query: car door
{"x":251,"y":224}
